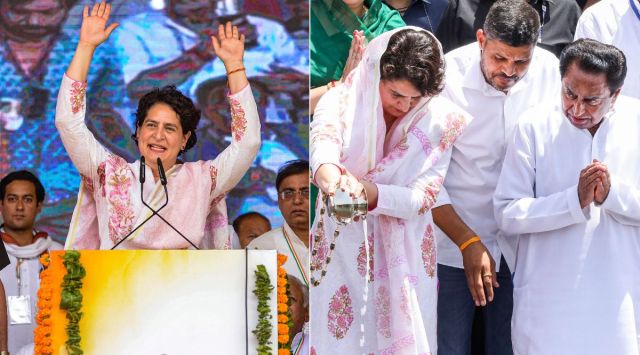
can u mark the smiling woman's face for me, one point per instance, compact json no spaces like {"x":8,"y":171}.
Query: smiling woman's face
{"x":161,"y":136}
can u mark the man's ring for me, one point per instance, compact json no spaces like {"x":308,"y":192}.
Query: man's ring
{"x":486,"y":275}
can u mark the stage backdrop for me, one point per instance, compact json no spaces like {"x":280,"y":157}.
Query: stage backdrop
{"x":157,"y":43}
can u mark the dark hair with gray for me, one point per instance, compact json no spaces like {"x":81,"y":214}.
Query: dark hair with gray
{"x":305,"y":290}
{"x":292,"y":167}
{"x":238,"y":221}
{"x":513,"y":22}
{"x":187,"y":112}
{"x":22,"y":175}
{"x":414,"y":56}
{"x":594,"y":57}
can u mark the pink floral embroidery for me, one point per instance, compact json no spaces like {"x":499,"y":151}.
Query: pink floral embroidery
{"x":88,"y":183}
{"x":429,"y":252}
{"x":101,"y":178}
{"x":423,"y":139}
{"x":238,"y":120}
{"x":214,"y":177}
{"x":78,"y":90}
{"x":404,"y":302}
{"x":327,"y":133}
{"x":430,"y":194}
{"x":383,"y":312}
{"x":398,"y":151}
{"x":340,"y":314}
{"x":362,"y":258}
{"x":121,"y":214}
{"x":455,"y":124}
{"x":321,"y":248}
{"x":399,"y":344}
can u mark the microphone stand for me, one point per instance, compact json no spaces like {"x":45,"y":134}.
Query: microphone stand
{"x":163,"y":181}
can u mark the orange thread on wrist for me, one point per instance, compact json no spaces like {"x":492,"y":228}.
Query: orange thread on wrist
{"x":470,"y":241}
{"x":235,"y":71}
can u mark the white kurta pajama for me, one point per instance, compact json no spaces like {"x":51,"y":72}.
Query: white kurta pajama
{"x":286,"y":242}
{"x":577,"y":275}
{"x":109,"y":205}
{"x":379,"y":293}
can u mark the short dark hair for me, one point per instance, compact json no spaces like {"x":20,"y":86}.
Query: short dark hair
{"x":242,"y":217}
{"x":292,"y":167}
{"x":414,"y":56}
{"x":594,"y":57}
{"x":513,"y":22}
{"x":187,"y":112}
{"x":22,"y":175}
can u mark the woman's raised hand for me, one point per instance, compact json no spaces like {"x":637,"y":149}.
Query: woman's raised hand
{"x":229,"y":46}
{"x":94,"y":31}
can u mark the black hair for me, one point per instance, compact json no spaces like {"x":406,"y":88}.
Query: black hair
{"x":414,"y":56}
{"x":242,"y":217}
{"x":292,"y":167}
{"x":22,"y":175}
{"x":594,"y":57}
{"x":187,"y":112}
{"x":513,"y":22}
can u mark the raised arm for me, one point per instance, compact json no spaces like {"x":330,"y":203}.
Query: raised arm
{"x":229,"y":167}
{"x":92,"y":33}
{"x":83,"y":148}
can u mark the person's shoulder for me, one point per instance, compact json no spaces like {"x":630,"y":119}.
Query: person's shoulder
{"x":604,"y":9}
{"x":266,"y":240}
{"x":461,"y":58}
{"x":55,"y":245}
{"x":628,"y":106}
{"x":542,"y":116}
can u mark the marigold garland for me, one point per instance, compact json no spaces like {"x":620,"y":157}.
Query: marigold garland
{"x":285,"y":321}
{"x":42,"y":332}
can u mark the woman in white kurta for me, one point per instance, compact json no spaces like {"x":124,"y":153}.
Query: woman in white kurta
{"x":570,"y":188}
{"x":109,"y":204}
{"x":382,"y":131}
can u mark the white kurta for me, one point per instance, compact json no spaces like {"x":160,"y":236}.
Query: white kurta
{"x":577,"y":275}
{"x":477,"y":154}
{"x":288,"y":244}
{"x":616,"y":22}
{"x":29,"y":270}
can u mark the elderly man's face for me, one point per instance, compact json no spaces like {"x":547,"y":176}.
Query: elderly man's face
{"x":502,"y":65}
{"x":251,"y":228}
{"x":32,"y":19}
{"x":197,"y":14}
{"x":586,"y":98}
{"x":293,"y":200}
{"x":299,"y":313}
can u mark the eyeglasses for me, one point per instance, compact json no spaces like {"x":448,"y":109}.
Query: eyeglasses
{"x":290,"y":194}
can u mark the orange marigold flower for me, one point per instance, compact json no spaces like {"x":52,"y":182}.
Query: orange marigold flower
{"x":282,"y":290}
{"x":282,"y":259}
{"x":282,"y":273}
{"x":283,"y":298}
{"x":283,"y":329}
{"x":282,"y":307}
{"x":283,"y":339}
{"x":284,"y":352}
{"x":282,"y":318}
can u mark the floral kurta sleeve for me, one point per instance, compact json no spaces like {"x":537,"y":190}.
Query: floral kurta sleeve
{"x":229,"y":166}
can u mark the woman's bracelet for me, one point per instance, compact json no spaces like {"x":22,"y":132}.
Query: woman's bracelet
{"x":235,"y":71}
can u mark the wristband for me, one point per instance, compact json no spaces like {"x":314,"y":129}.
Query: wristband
{"x":469,"y":241}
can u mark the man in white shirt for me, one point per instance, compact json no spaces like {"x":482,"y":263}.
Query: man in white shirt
{"x":570,"y":188}
{"x":292,"y":239}
{"x":21,"y":198}
{"x":616,"y":22}
{"x":495,"y":80}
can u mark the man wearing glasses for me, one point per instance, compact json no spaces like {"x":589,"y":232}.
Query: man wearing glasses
{"x":292,"y":239}
{"x":570,"y":188}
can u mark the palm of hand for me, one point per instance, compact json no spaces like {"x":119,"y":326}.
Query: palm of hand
{"x":230,"y":49}
{"x":93,"y":30}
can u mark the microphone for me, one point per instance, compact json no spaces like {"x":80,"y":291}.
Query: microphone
{"x":163,"y":177}
{"x":142,"y":170}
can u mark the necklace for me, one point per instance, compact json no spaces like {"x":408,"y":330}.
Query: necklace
{"x":316,"y":242}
